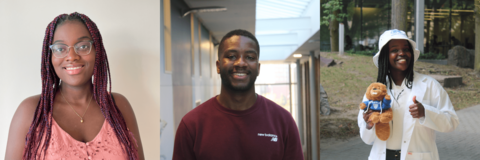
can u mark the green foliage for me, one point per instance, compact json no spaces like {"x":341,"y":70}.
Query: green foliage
{"x":430,"y":55}
{"x":329,"y":8}
{"x":350,"y":10}
{"x":366,"y":53}
{"x":478,"y":5}
{"x":463,"y":5}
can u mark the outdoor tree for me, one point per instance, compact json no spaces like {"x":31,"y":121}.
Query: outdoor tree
{"x":332,"y":16}
{"x":477,"y":37}
{"x":399,"y":14}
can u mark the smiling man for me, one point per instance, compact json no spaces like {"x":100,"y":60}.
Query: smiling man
{"x":238,"y":123}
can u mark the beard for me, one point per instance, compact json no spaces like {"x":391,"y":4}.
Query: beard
{"x":224,"y":75}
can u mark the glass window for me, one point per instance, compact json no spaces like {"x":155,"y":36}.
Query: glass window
{"x":277,"y":82}
{"x":278,"y":93}
{"x":366,"y":20}
{"x":447,"y":24}
{"x":273,"y":73}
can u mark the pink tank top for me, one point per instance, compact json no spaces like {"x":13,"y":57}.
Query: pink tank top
{"x":104,"y":146}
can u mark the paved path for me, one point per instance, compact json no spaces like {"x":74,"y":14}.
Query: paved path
{"x":463,"y":143}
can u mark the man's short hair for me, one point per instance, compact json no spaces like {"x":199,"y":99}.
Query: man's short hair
{"x":238,"y":32}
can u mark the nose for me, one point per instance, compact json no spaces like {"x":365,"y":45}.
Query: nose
{"x":240,"y":61}
{"x":403,"y":52}
{"x":71,"y":55}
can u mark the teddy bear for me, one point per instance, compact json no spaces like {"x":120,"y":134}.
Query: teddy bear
{"x":378,"y":103}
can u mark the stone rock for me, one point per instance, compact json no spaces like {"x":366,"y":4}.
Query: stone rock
{"x":324,"y":106}
{"x":326,"y":62}
{"x":461,"y":57}
{"x":448,"y":81}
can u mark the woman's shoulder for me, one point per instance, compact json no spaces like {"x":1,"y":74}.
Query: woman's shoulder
{"x":19,"y":126}
{"x":119,"y":99}
{"x":31,"y":100}
{"x":129,"y":116}
{"x":431,"y":83}
{"x":122,"y":103}
{"x":26,"y":110}
{"x":425,"y":78}
{"x":27,"y":107}
{"x":420,"y":76}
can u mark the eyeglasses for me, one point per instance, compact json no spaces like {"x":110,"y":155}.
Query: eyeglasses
{"x":81,"y":48}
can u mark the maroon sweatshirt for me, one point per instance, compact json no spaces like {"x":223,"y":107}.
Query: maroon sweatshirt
{"x":265,"y":131}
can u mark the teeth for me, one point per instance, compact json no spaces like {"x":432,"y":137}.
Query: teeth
{"x":240,"y":74}
{"x":402,"y":60}
{"x":374,"y":93}
{"x":72,"y":68}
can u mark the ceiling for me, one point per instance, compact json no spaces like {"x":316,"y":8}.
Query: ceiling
{"x":287,"y":27}
{"x":240,"y":14}
{"x":312,"y":44}
{"x":267,"y":9}
{"x":284,"y":27}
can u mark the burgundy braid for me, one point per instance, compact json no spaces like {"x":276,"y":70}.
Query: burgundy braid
{"x":42,"y":120}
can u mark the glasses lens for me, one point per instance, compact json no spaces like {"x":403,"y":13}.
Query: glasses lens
{"x":59,"y":50}
{"x":83,"y":48}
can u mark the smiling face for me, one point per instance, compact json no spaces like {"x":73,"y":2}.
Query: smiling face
{"x":399,"y":55}
{"x":238,"y":63}
{"x":73,"y":69}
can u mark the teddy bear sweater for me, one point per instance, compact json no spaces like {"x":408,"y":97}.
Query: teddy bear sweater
{"x":265,"y":131}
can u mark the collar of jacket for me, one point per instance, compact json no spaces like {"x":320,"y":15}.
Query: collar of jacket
{"x":418,"y":87}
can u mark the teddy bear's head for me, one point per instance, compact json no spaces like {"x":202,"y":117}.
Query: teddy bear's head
{"x":376,"y":91}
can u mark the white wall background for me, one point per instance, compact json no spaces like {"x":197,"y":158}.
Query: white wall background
{"x":131,"y":35}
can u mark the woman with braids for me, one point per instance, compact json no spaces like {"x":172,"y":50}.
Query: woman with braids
{"x":420,"y":104}
{"x":75,"y":116}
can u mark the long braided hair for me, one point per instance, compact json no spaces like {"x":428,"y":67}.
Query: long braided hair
{"x":41,"y":127}
{"x":384,"y":67}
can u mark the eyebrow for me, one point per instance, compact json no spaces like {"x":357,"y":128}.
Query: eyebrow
{"x":84,"y":37}
{"x":81,"y":38}
{"x":251,"y":51}
{"x":231,"y":50}
{"x":236,"y":51}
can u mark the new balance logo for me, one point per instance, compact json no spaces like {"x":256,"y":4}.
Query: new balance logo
{"x":274,"y":137}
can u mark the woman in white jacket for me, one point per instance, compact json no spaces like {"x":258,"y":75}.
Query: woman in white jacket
{"x":420,"y":104}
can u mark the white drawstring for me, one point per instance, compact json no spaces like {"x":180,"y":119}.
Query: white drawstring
{"x":381,"y":107}
{"x":368,"y":106}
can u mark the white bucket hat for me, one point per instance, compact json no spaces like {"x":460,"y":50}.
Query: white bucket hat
{"x":394,"y":34}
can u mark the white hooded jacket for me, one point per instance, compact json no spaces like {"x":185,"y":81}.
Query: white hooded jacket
{"x":418,"y":141}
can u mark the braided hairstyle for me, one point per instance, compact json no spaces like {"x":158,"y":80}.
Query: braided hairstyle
{"x":41,"y":127}
{"x":384,"y":67}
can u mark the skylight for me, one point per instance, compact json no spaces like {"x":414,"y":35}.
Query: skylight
{"x":268,"y":9}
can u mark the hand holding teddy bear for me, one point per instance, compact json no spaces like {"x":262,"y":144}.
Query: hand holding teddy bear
{"x":378,"y":112}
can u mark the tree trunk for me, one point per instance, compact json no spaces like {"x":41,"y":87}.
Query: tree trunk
{"x":477,"y":37}
{"x":334,"y":33}
{"x":399,"y":14}
{"x":462,"y":37}
{"x":427,"y":36}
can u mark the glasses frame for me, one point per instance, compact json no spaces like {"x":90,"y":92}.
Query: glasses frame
{"x":68,"y":49}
